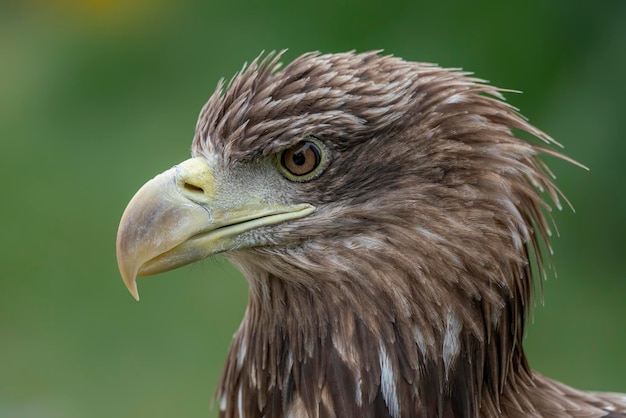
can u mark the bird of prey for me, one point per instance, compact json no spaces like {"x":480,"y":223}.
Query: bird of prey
{"x":390,"y":225}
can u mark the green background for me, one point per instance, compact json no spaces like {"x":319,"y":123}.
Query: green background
{"x":98,"y":96}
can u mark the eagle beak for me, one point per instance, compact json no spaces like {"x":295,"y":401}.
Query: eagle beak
{"x":182,"y":216}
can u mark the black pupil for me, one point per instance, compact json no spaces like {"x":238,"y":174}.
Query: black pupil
{"x":299,"y":158}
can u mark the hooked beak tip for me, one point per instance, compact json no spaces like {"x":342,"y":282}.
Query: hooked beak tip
{"x":132,"y":288}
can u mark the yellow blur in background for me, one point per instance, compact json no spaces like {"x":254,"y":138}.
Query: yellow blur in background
{"x":96,"y":97}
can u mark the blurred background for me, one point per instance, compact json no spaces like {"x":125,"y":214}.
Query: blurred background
{"x":98,"y":96}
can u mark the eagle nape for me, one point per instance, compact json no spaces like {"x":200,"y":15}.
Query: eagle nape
{"x":390,"y":225}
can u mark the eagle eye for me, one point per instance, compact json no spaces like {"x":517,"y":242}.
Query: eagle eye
{"x":303,"y":161}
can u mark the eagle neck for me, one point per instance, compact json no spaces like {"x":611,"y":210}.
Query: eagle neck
{"x":333,"y":344}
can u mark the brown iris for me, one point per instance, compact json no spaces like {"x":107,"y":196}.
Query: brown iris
{"x":301,"y":160}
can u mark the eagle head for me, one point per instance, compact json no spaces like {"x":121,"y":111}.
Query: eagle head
{"x":388,"y":221}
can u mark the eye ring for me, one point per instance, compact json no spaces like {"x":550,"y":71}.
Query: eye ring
{"x":303,"y":161}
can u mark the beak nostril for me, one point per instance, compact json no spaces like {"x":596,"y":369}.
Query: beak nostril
{"x":193,"y":188}
{"x":194,"y":180}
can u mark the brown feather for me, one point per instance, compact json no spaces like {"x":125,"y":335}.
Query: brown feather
{"x":406,"y":293}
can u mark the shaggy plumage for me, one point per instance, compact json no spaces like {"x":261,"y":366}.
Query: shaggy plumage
{"x":405,"y":292}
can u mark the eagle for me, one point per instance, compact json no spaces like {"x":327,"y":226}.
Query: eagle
{"x":391,"y":225}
